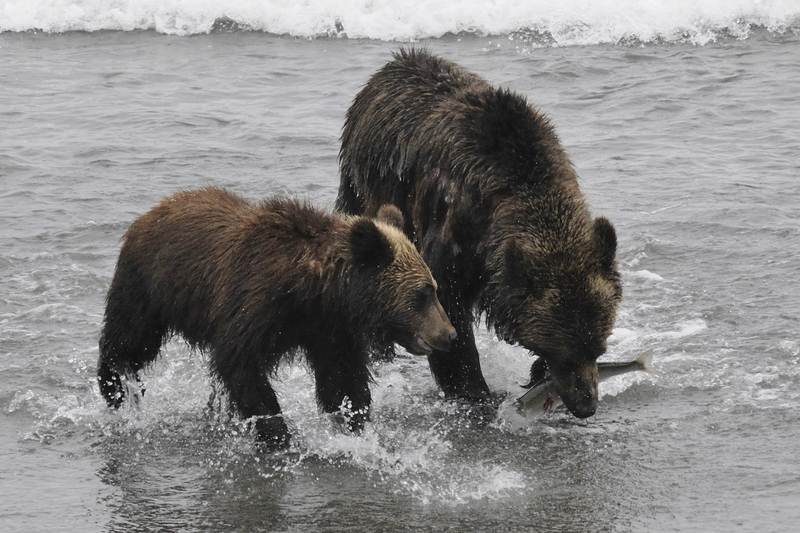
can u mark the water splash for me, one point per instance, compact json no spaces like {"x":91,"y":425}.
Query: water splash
{"x":408,"y":447}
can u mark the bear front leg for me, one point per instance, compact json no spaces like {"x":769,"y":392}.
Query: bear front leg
{"x":340,"y":375}
{"x":458,"y":372}
{"x":252,"y":395}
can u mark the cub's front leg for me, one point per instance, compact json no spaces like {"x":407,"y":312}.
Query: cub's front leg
{"x":341,"y":372}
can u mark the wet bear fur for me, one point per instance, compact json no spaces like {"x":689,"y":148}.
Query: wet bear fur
{"x":252,"y":284}
{"x":492,"y":202}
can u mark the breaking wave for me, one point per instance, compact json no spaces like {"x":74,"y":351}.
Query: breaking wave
{"x":548,"y":23}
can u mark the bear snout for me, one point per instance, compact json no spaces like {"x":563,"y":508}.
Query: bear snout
{"x":432,"y":331}
{"x":442,"y":333}
{"x":444,"y":339}
{"x":578,"y":390}
{"x":586,"y":408}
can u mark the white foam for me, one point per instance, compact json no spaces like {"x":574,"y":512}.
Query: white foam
{"x":790,"y":347}
{"x":685,"y":329}
{"x":621,"y":336}
{"x":645,"y":275}
{"x":565,"y":22}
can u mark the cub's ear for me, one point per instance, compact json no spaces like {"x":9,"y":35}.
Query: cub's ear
{"x":370,"y":247}
{"x":605,"y":242}
{"x":391,"y":215}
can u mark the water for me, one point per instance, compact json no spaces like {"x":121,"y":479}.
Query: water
{"x":686,"y":137}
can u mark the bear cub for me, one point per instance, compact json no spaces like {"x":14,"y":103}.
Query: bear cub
{"x":251,"y":284}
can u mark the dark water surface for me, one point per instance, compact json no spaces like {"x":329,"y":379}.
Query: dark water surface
{"x":692,"y":151}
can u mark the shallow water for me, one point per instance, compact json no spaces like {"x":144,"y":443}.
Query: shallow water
{"x":690,"y":150}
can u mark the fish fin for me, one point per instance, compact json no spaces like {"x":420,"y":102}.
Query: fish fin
{"x":646,"y":361}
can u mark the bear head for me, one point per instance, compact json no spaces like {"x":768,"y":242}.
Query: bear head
{"x":562,"y":308}
{"x":404,"y":302}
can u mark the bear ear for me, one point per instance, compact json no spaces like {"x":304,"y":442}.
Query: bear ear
{"x":370,"y":247}
{"x":391,"y":215}
{"x":605,"y":242}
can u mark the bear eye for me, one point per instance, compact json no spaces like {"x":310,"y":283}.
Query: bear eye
{"x":422,"y":296}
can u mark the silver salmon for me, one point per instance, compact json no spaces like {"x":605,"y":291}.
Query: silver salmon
{"x":542,"y":398}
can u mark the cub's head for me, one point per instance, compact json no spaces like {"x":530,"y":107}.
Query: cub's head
{"x":561,"y":305}
{"x":397,"y":284}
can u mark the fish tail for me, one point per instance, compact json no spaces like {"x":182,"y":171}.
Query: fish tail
{"x":646,"y":361}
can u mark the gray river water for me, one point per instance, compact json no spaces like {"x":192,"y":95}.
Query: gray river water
{"x":692,"y":152}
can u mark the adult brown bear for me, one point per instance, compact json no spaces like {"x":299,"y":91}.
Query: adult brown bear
{"x":254,"y":283}
{"x":492,"y":202}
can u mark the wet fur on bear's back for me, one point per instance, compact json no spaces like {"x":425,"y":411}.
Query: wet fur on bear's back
{"x":487,"y":137}
{"x":206,"y":249}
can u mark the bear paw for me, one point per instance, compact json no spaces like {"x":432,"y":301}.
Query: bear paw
{"x":272,"y":433}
